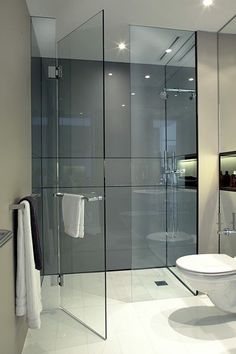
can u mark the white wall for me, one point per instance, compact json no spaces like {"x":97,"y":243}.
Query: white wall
{"x":227,"y":136}
{"x":227,"y":78}
{"x":208,"y":142}
{"x":15,"y":153}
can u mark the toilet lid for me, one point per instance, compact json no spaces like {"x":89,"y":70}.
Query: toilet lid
{"x":207,"y":263}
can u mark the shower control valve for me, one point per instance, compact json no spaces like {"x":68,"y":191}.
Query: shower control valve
{"x":227,"y":232}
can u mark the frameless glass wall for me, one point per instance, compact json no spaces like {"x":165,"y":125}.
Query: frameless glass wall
{"x":68,"y":157}
{"x":44,"y":135}
{"x":163,"y":155}
{"x":81,"y":171}
{"x":141,"y":160}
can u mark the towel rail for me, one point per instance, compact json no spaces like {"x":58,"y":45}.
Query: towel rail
{"x":21,"y":206}
{"x":88,"y":199}
{"x":16,"y":207}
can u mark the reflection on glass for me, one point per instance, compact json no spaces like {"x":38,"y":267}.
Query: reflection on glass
{"x":163,"y":151}
{"x":81,"y":171}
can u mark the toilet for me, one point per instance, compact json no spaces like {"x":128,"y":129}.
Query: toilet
{"x":214,"y":275}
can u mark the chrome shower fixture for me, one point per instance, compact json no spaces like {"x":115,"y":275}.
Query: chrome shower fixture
{"x":163,"y":95}
{"x":192,"y":96}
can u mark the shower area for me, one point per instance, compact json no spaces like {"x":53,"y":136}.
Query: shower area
{"x":119,"y":128}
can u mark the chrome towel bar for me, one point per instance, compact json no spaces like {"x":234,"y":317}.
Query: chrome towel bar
{"x":88,"y":199}
{"x":21,"y":206}
{"x":16,"y":207}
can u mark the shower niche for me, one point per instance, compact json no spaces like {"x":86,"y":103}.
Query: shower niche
{"x":228,"y":171}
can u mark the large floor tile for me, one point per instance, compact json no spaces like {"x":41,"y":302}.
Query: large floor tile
{"x":165,"y":325}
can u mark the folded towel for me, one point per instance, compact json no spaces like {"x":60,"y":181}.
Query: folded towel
{"x":28,"y":287}
{"x":38,"y":260}
{"x":73,"y":215}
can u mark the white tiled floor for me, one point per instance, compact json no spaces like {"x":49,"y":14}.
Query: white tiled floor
{"x":186,"y":324}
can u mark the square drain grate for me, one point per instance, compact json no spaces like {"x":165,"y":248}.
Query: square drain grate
{"x":161,"y":283}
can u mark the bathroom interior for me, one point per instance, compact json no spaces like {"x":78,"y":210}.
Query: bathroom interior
{"x":135,"y":113}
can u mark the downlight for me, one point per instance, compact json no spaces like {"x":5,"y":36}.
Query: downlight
{"x":208,"y":3}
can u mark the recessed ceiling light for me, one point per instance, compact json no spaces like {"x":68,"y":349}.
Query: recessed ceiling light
{"x":122,"y":45}
{"x":133,"y":94}
{"x":123,"y":105}
{"x":110,"y":74}
{"x":191,"y":79}
{"x":207,"y":2}
{"x":169,"y":50}
{"x":147,"y":76}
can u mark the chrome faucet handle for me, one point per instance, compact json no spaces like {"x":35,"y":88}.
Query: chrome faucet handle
{"x":227,"y":232}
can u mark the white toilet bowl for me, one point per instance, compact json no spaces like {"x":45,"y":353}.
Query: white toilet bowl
{"x":214,"y":275}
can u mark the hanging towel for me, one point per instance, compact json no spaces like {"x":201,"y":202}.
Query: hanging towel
{"x":28,"y":287}
{"x":73,"y":215}
{"x":35,"y":233}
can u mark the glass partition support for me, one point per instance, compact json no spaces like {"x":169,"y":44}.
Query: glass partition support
{"x":81,"y":151}
{"x":163,"y":156}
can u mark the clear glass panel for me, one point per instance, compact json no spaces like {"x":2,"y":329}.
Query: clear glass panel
{"x":44,"y":135}
{"x":118,"y":174}
{"x":81,"y":171}
{"x":118,"y":228}
{"x":163,"y":158}
{"x":181,"y":123}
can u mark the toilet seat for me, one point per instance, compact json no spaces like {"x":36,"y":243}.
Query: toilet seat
{"x":208,"y":264}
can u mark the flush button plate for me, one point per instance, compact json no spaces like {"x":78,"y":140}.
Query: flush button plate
{"x":5,"y":235}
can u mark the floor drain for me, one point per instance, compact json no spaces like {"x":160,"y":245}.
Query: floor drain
{"x":161,"y":283}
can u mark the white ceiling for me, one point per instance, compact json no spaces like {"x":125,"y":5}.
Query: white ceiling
{"x":119,"y":14}
{"x":230,"y":28}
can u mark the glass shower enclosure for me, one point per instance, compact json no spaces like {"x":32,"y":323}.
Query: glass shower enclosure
{"x":163,"y":154}
{"x":70,"y":159}
{"x":136,"y":165}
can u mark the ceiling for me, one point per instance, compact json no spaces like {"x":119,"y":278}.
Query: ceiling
{"x":230,"y":28}
{"x":119,"y":14}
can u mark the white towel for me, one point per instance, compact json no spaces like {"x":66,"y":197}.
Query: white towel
{"x":73,"y":215}
{"x":28,"y":288}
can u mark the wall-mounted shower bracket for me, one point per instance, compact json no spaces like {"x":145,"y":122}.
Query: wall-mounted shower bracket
{"x":60,"y":280}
